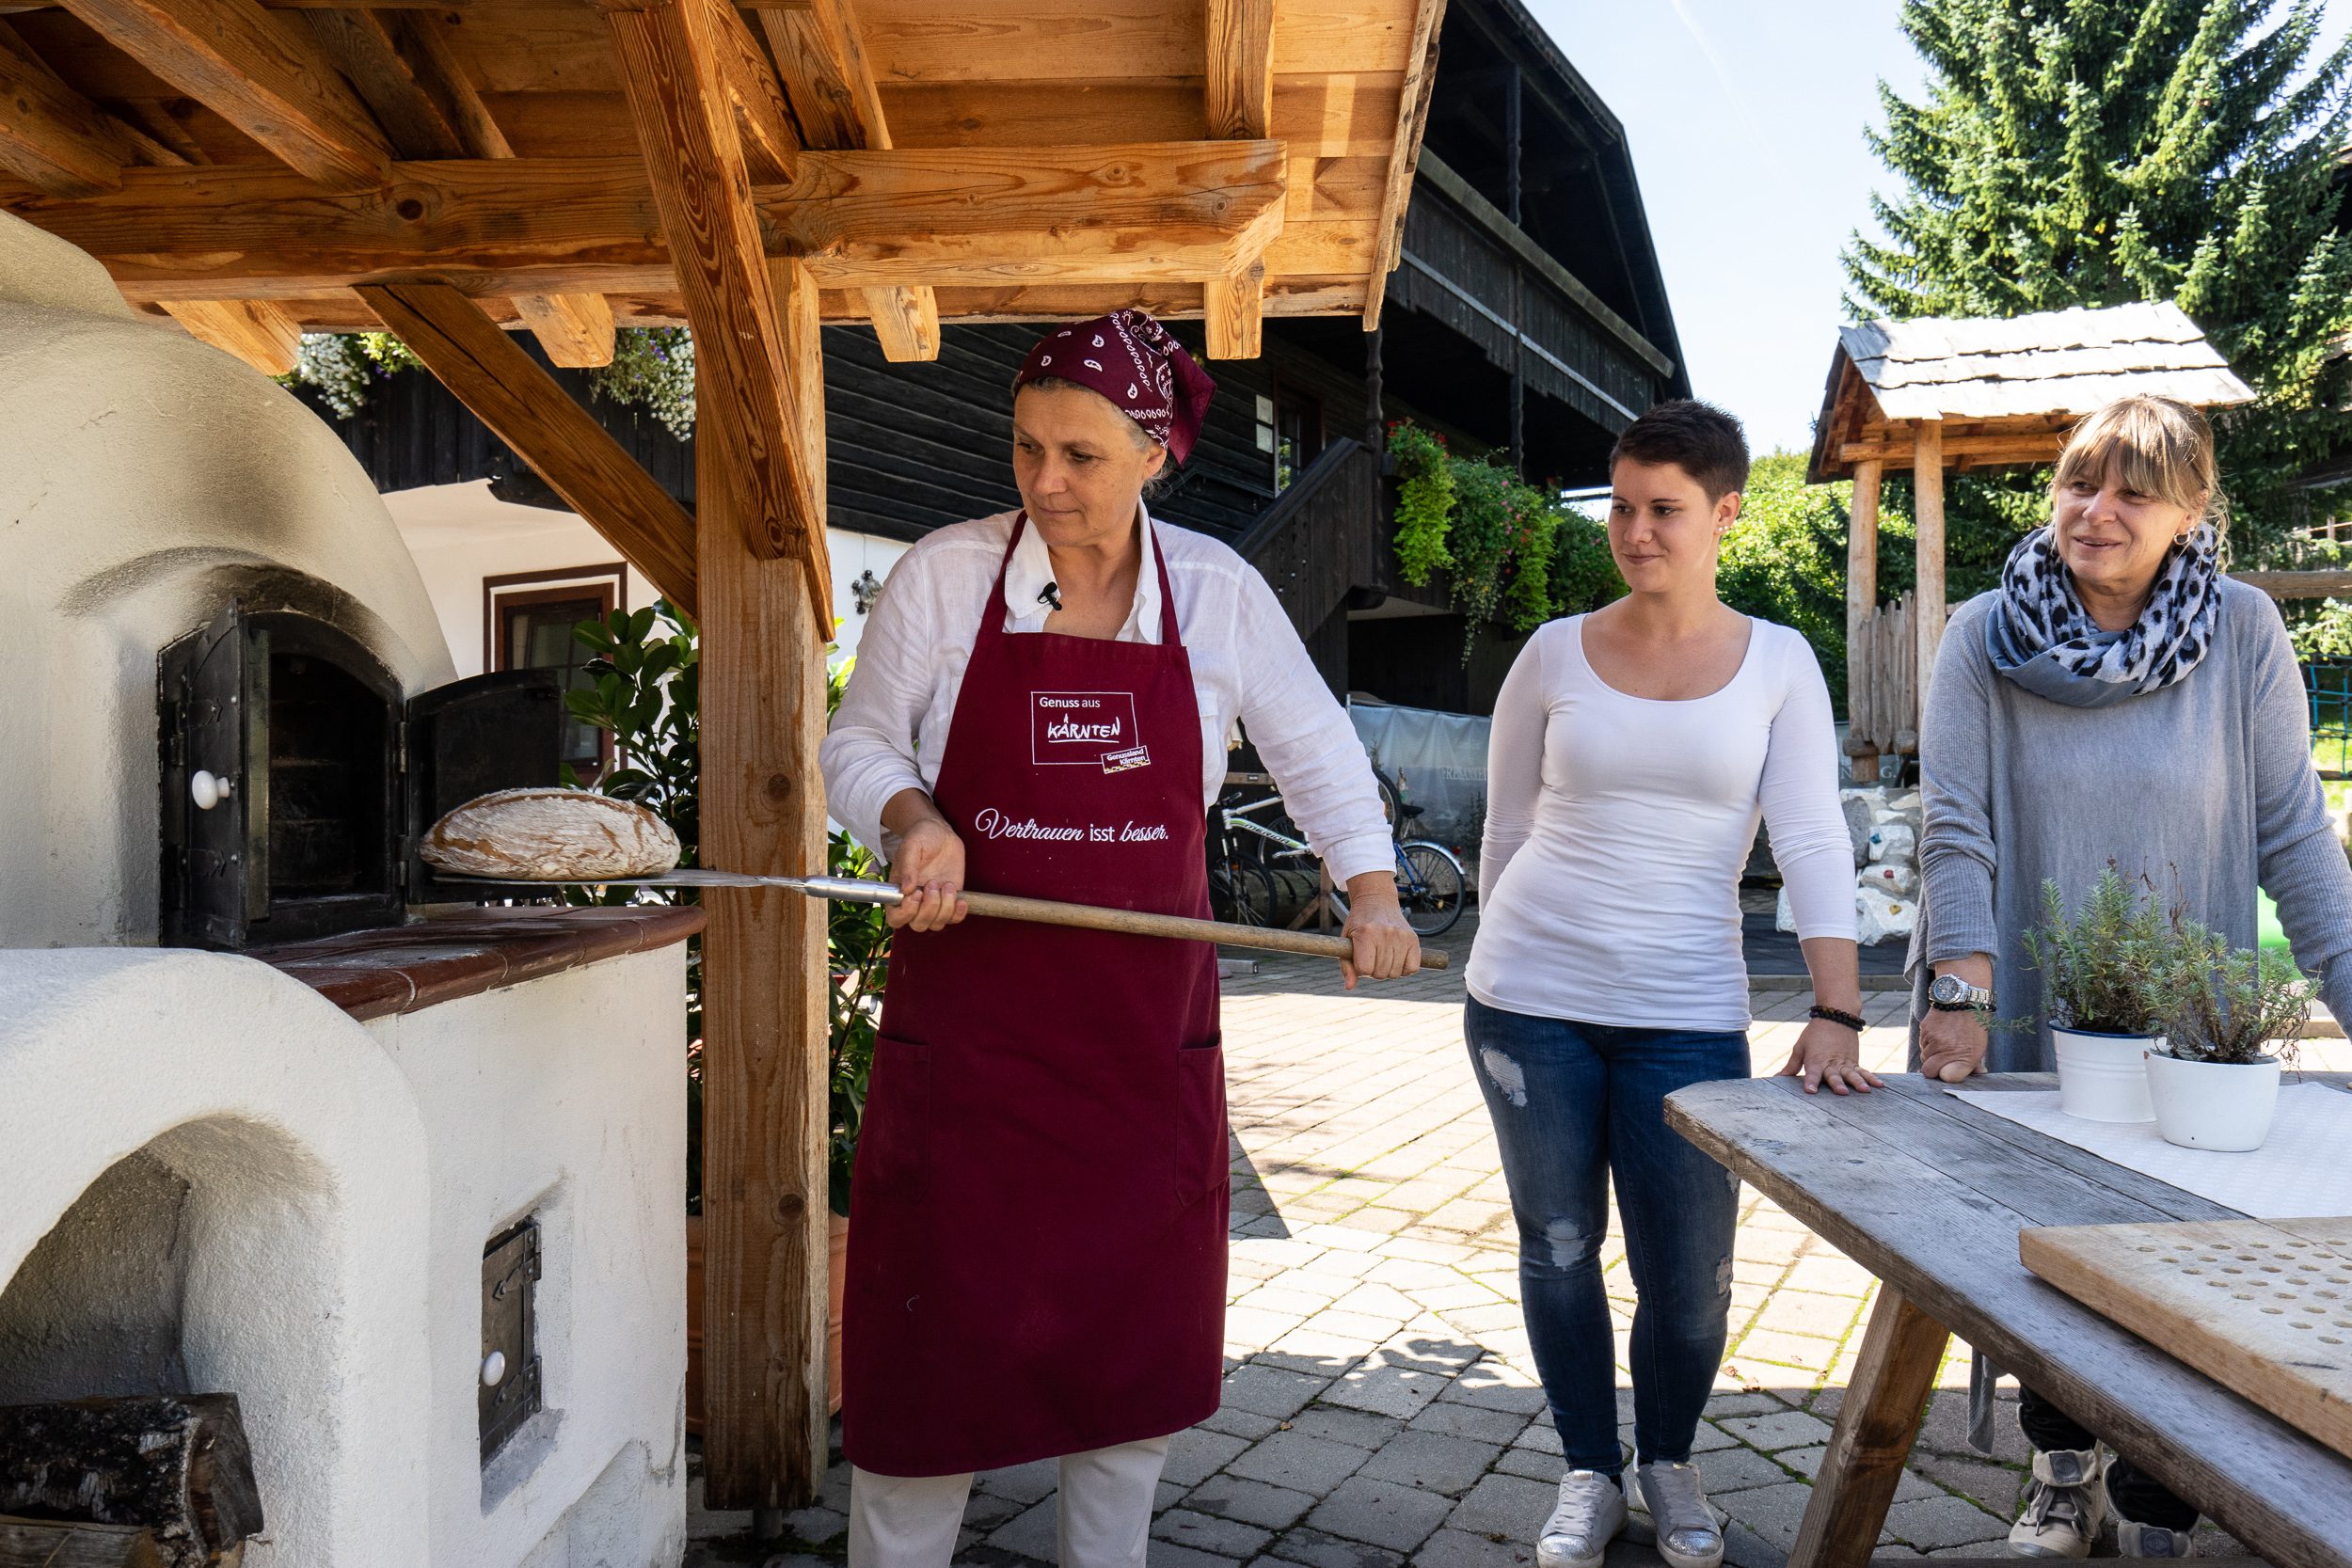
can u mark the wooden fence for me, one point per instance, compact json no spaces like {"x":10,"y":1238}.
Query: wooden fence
{"x":1882,"y":682}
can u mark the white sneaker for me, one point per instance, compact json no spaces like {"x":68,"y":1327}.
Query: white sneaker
{"x":1589,"y":1515}
{"x":1689,"y":1534}
{"x":2065,"y":1507}
{"x":2132,"y":1539}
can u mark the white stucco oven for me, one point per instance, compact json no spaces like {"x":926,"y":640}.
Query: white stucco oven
{"x":270,"y":1159}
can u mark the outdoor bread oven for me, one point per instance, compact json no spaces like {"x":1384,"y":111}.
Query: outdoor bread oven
{"x":283,"y":1118}
{"x":297,"y":781}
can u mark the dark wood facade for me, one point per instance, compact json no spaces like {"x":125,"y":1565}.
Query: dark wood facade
{"x":1527,"y":318}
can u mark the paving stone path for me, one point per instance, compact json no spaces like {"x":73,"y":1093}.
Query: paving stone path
{"x":1381,"y":1406}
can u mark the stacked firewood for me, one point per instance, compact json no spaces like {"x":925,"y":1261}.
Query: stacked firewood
{"x":149,"y":1481}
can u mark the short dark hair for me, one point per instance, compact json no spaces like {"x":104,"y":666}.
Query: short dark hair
{"x":1699,"y":438}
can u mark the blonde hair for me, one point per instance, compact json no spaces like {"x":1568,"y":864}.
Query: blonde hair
{"x":2156,"y":446}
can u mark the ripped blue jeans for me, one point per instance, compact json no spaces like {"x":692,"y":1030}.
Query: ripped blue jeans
{"x":1575,"y":1104}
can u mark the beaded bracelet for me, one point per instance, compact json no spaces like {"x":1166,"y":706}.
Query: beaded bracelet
{"x":1851,"y":1021}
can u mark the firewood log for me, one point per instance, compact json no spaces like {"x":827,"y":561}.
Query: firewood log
{"x":174,"y":1466}
{"x":40,"y":1543}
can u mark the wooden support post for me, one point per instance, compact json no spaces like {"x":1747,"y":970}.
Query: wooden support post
{"x":488,"y":371}
{"x":1420,"y":78}
{"x":1928,"y":518}
{"x":1862,"y":597}
{"x":674,"y":62}
{"x":1901,"y":1350}
{"x":764,"y":1121}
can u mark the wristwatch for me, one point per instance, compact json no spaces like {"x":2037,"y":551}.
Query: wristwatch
{"x":1952,"y":994}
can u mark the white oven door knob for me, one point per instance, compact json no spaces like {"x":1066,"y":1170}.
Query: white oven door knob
{"x":209,"y":789}
{"x":494,"y":1369}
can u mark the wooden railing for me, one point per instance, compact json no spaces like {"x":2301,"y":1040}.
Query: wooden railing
{"x":1322,"y":536}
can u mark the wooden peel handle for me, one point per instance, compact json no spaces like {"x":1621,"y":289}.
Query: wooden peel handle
{"x":1045,"y":911}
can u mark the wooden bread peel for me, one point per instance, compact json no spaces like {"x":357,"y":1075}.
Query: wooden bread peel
{"x":2264,"y":1307}
{"x":1000,"y":906}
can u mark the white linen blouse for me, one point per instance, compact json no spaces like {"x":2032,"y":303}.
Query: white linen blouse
{"x":1616,"y":828}
{"x":1246,"y":664}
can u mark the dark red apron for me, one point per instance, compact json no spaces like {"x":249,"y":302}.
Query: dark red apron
{"x":1038,"y":1213}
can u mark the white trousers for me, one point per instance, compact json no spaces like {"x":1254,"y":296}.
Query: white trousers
{"x":1103,"y":1511}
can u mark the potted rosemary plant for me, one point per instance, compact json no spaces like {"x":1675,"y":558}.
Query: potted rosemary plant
{"x":2231,"y":1017}
{"x":2096,"y":966}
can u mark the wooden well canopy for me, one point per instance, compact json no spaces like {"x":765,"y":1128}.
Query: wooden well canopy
{"x":1937,"y":393}
{"x":448,"y":170}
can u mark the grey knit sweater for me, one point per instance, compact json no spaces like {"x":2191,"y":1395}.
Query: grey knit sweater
{"x":2207,"y":787}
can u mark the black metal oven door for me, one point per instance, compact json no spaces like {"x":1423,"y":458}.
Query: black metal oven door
{"x":472,"y":738}
{"x":212,"y":702}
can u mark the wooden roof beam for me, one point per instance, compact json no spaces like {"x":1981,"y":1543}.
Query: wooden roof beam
{"x":402,"y":65}
{"x":506,"y":390}
{"x":1420,"y":80}
{"x":1240,"y":106}
{"x":675,"y":62}
{"x":257,"y":71}
{"x":255,"y":331}
{"x":50,"y":136}
{"x":821,"y":54}
{"x":1240,"y":68}
{"x":979,"y":218}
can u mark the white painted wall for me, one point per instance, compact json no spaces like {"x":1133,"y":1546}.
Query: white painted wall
{"x":145,"y":480}
{"x":461,"y":535}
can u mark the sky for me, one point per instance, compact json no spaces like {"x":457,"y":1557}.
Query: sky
{"x":1746,"y":122}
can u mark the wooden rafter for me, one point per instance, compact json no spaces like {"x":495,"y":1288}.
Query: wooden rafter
{"x":257,"y":71}
{"x":1420,"y":80}
{"x":771,"y":144}
{"x":674,"y":60}
{"x":415,"y":120}
{"x":51,"y":137}
{"x":1240,"y":68}
{"x":255,"y":331}
{"x":986,"y":218}
{"x":830,"y":84}
{"x":488,"y":372}
{"x":1239,"y":104}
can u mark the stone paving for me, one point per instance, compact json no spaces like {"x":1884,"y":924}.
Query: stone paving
{"x":1381,"y":1406}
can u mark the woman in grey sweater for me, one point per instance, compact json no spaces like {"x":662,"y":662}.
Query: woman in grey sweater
{"x":2116,"y":697}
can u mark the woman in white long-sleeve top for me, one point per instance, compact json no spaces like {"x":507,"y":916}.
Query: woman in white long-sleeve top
{"x":1040,"y":705}
{"x":1633,"y":750}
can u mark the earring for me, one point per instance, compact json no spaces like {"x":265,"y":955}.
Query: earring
{"x":2182,"y":537}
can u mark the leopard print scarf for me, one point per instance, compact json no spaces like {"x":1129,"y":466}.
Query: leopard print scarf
{"x":2043,"y":615}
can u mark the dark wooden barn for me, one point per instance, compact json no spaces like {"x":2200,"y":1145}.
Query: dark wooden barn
{"x":1527,"y":316}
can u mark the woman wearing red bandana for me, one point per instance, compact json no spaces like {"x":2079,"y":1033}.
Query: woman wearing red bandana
{"x":1036,"y":1269}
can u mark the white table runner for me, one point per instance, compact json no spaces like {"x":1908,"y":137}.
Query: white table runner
{"x":2305,"y":1169}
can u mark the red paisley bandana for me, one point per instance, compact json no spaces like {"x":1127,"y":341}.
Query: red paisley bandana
{"x":1130,"y":358}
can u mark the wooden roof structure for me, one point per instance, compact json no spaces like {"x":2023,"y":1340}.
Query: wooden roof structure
{"x":1937,"y":393}
{"x":450,"y":169}
{"x":2004,"y":388}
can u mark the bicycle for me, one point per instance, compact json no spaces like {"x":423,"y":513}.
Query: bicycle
{"x":1429,"y":880}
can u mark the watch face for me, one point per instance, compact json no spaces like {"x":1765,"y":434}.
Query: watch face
{"x":1948,"y":987}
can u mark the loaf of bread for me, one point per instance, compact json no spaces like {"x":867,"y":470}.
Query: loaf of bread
{"x":551,"y":835}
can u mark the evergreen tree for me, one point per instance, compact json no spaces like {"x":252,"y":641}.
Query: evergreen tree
{"x":2099,"y":152}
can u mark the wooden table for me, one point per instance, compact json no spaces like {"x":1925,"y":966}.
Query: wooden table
{"x":1929,"y":1192}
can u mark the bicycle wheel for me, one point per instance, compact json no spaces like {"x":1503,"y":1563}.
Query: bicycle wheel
{"x":1429,"y":885}
{"x":1241,"y":893}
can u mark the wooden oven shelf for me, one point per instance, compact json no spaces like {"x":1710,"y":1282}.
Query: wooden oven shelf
{"x":399,"y":969}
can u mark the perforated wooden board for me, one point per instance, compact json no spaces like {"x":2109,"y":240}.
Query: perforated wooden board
{"x":2264,"y":1307}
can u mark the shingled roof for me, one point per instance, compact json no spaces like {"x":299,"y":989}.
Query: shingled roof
{"x":2005,"y":387}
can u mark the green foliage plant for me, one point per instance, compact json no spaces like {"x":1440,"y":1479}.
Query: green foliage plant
{"x":1519,"y":554}
{"x":646,"y":681}
{"x":2097,"y":964}
{"x":2079,"y":152}
{"x":2222,"y":1003}
{"x":1424,"y":501}
{"x":2325,"y":633}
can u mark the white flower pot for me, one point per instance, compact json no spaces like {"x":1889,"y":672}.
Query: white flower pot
{"x":2101,"y":1077}
{"x":2220,"y":1105}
